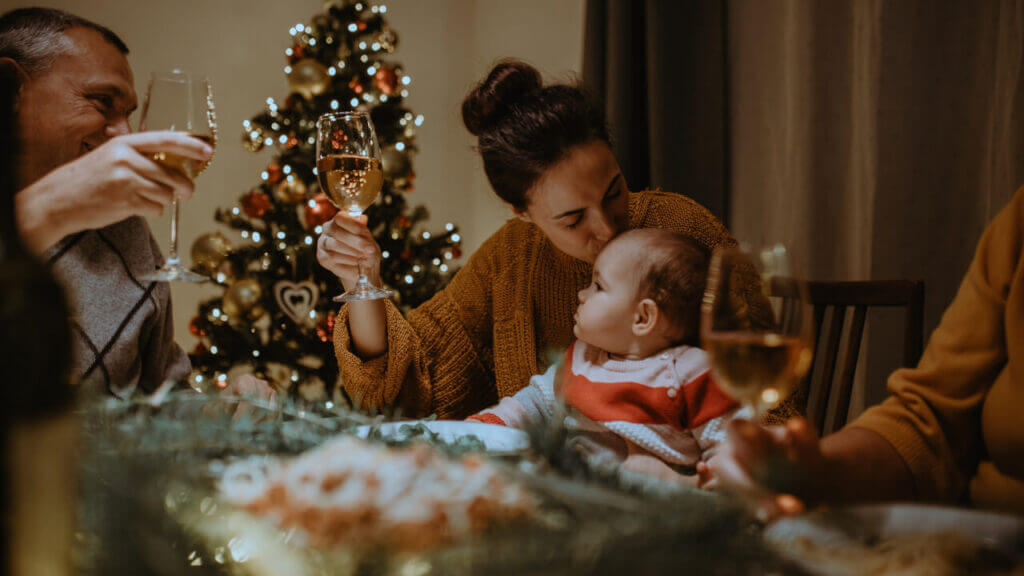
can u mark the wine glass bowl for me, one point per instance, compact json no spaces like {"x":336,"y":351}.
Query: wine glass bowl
{"x":348,"y":168}
{"x":179,"y":102}
{"x":756,"y":325}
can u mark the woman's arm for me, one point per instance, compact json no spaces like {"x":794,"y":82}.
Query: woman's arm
{"x":435,"y":360}
{"x":925,"y":440}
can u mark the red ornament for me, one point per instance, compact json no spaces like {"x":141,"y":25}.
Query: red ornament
{"x":360,"y":25}
{"x":255,"y":204}
{"x":298,"y":53}
{"x":200,"y":350}
{"x":319,"y":211}
{"x":456,"y":252}
{"x":355,"y":86}
{"x":274,"y":173}
{"x":292,"y":142}
{"x":325,"y":329}
{"x":386,"y":80}
{"x":403,"y":222}
{"x":289,"y":102}
{"x":194,"y":329}
{"x":406,"y":254}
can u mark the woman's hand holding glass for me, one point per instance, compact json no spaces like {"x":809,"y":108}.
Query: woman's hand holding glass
{"x":775,"y":469}
{"x":345,"y":243}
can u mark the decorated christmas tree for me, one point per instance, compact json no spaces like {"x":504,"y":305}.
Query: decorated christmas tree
{"x":275,"y":316}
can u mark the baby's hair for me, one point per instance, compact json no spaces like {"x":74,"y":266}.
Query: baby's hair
{"x":675,"y":273}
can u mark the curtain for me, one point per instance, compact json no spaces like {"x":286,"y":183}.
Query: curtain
{"x":659,"y":68}
{"x":881,"y":135}
{"x":878,"y":136}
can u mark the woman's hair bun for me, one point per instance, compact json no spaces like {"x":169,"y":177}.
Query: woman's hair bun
{"x":492,"y":98}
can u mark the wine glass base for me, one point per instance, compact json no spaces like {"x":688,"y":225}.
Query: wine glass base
{"x":369,"y":293}
{"x":172,"y":273}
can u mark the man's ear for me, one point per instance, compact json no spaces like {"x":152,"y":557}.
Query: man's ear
{"x":13,"y":74}
{"x":645,"y":317}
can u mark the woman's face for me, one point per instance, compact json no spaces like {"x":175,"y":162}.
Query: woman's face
{"x":580,"y":203}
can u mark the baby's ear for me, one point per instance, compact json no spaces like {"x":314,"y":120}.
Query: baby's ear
{"x":645,"y":318}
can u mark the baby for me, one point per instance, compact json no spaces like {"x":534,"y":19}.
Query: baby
{"x":643,"y":390}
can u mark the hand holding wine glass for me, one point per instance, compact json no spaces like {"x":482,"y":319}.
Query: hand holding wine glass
{"x":350,"y":175}
{"x":179,"y":102}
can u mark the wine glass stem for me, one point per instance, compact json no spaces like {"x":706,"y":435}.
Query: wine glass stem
{"x":172,"y":257}
{"x":362,"y":283}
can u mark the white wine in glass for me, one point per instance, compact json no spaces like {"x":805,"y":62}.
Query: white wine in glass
{"x":348,"y":168}
{"x":350,"y":182}
{"x":179,"y":102}
{"x":759,"y":340}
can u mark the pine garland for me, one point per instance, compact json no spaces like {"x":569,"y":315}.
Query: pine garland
{"x":150,"y":506}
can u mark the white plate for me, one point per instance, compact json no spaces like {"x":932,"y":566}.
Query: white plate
{"x":821,"y":537}
{"x":496,"y":439}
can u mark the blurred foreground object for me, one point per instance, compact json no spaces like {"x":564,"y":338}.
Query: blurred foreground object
{"x":39,"y":479}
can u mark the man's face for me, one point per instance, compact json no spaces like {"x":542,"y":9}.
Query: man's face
{"x":82,"y":101}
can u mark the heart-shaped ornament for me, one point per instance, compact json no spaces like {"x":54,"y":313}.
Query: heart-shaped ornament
{"x":297,"y":299}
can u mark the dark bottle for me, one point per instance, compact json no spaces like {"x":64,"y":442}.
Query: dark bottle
{"x":39,"y":429}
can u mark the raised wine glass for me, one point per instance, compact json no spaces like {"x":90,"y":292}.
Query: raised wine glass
{"x":756,"y":324}
{"x":178,"y":101}
{"x":348,"y":168}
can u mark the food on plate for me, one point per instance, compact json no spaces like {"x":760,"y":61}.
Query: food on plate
{"x":351,"y":490}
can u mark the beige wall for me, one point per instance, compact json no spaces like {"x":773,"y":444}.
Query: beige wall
{"x":444,"y":45}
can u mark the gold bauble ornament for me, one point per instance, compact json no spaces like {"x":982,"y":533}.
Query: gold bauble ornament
{"x":291,"y":190}
{"x":344,"y":51}
{"x":309,"y":78}
{"x":209,"y":251}
{"x":278,"y":374}
{"x":313,"y":389}
{"x":242,"y":300}
{"x":394,"y":162}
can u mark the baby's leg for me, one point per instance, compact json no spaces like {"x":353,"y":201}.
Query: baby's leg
{"x":641,"y":461}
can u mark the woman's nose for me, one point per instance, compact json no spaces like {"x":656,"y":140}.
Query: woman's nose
{"x":604,"y":230}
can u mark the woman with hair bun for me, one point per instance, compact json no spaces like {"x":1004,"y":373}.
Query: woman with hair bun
{"x":546,"y":151}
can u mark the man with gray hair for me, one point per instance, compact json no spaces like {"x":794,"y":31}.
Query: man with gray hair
{"x":85,"y":182}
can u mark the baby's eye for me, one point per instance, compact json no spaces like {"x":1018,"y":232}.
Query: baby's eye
{"x":614,"y":195}
{"x":598,"y":286}
{"x":575,"y":224}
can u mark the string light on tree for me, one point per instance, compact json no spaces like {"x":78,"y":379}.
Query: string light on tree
{"x":338,"y":60}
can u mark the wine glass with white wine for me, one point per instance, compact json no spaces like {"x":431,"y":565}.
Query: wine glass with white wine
{"x":348,"y":167}
{"x":757,"y":325}
{"x":178,"y":101}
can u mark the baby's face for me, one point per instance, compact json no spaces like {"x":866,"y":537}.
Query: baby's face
{"x":609,"y":304}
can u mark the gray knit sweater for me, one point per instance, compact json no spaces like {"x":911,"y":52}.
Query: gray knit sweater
{"x":122,"y":333}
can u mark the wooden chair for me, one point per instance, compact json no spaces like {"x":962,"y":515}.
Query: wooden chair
{"x":821,"y":384}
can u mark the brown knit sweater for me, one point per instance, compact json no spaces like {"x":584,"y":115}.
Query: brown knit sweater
{"x":955,"y":418}
{"x":503,"y":318}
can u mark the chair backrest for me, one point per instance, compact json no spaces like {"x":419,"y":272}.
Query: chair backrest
{"x":821,"y":383}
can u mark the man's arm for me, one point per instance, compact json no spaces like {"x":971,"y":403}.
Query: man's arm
{"x":111,"y":183}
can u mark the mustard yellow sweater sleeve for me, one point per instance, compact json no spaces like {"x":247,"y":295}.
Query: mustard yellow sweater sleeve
{"x":439,"y":359}
{"x":933,"y":416}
